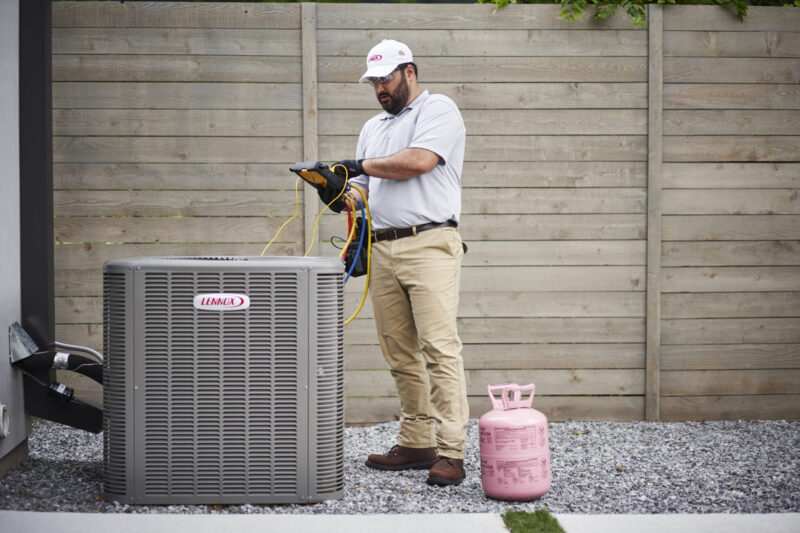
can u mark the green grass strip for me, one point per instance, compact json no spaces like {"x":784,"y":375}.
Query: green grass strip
{"x":539,"y":521}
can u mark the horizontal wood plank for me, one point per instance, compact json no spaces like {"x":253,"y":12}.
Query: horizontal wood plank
{"x":512,"y":96}
{"x":720,"y":253}
{"x":557,"y":227}
{"x":731,"y":279}
{"x":173,"y":229}
{"x":444,"y":17}
{"x":532,"y":148}
{"x":731,"y":96}
{"x":160,"y":95}
{"x":172,"y":68}
{"x":731,"y":305}
{"x":184,"y":41}
{"x":731,"y":175}
{"x":704,"y":148}
{"x":514,"y":122}
{"x":486,"y":42}
{"x":731,"y":70}
{"x":173,"y":176}
{"x":227,"y":176}
{"x":175,"y":15}
{"x":731,"y":202}
{"x":479,"y":279}
{"x":731,"y":331}
{"x":528,"y":330}
{"x":714,"y":18}
{"x":548,"y":382}
{"x":553,"y":200}
{"x":177,"y":123}
{"x":521,"y":253}
{"x":177,"y":149}
{"x":519,"y":356}
{"x":731,"y":227}
{"x":556,"y":408}
{"x":334,"y":69}
{"x":174,"y":203}
{"x":750,"y":407}
{"x":729,"y":382}
{"x":730,"y":356}
{"x":732,"y":43}
{"x":573,"y":174}
{"x":481,"y":253}
{"x":732,"y":122}
{"x":472,"y":304}
{"x":472,"y":331}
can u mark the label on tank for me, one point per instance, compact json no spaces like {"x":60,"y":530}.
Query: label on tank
{"x":518,"y":439}
{"x":486,"y":435}
{"x":523,"y":471}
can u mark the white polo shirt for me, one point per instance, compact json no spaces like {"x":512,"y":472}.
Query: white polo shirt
{"x":432,"y":122}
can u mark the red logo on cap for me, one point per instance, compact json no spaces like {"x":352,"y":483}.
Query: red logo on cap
{"x":376,"y":57}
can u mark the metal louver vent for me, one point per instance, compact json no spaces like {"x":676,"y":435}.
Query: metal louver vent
{"x":115,"y":371}
{"x":329,"y":386}
{"x":221,"y":398}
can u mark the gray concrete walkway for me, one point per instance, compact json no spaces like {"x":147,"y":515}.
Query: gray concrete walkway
{"x":30,"y":522}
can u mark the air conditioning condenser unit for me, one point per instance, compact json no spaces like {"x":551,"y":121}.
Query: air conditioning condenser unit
{"x":223,"y":380}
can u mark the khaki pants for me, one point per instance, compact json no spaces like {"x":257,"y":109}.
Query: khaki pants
{"x":414,"y":283}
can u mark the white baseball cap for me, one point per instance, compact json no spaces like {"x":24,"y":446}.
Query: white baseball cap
{"x":384,"y":58}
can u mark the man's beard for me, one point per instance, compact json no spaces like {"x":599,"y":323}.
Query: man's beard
{"x":398,"y":100}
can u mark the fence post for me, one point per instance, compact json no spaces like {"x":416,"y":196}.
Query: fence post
{"x":310,"y":123}
{"x":655,"y":25}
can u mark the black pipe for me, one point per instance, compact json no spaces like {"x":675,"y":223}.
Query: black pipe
{"x":63,"y":361}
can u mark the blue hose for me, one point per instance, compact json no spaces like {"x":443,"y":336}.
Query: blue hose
{"x":360,"y":241}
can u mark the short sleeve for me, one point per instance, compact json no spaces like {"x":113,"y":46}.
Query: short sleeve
{"x":439,"y":127}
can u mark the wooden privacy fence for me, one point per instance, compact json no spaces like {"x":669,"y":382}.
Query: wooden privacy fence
{"x":630,"y":195}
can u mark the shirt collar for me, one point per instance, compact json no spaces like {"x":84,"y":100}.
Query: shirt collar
{"x":417,"y":101}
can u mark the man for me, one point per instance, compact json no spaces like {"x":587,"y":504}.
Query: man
{"x":408,"y":161}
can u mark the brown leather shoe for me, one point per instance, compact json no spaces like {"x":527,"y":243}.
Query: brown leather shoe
{"x":403,"y":458}
{"x":446,"y":471}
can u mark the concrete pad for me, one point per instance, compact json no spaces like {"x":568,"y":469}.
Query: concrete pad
{"x":680,"y":523}
{"x":30,"y":522}
{"x":34,"y":522}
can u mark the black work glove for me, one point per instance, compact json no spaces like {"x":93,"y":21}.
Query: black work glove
{"x":326,"y":195}
{"x":353,"y":167}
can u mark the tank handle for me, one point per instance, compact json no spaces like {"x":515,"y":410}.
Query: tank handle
{"x":518,"y":401}
{"x":502,"y":401}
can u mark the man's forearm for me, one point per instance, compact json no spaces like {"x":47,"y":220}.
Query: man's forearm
{"x":405,"y":164}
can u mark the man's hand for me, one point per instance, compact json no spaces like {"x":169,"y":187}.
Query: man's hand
{"x":353,"y":167}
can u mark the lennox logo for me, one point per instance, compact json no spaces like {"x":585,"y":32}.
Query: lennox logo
{"x":221,"y":302}
{"x":376,"y":57}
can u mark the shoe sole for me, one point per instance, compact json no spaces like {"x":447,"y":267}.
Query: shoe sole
{"x":412,"y":466}
{"x":444,"y":482}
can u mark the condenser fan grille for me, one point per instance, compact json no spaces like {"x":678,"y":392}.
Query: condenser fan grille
{"x":220,"y":388}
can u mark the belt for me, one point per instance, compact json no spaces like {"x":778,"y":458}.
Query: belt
{"x":391,"y":234}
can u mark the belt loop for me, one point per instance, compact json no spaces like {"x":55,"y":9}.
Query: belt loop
{"x":413,"y":231}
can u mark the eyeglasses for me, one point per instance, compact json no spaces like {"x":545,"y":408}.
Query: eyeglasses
{"x":383,"y":79}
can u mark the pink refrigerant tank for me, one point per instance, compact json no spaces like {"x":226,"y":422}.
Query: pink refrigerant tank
{"x":515,"y":451}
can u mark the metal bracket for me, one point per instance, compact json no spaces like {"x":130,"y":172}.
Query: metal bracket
{"x":20,"y":344}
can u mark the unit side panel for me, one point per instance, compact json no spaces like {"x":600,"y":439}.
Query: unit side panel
{"x":326,"y":354}
{"x":117,"y":390}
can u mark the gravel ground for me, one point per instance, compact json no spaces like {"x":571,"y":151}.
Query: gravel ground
{"x":598,"y":467}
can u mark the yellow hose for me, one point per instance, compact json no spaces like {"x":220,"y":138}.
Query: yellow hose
{"x":316,"y":222}
{"x":369,"y":253}
{"x":296,"y":211}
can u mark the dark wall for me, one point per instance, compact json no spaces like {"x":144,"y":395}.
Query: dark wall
{"x":36,"y":171}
